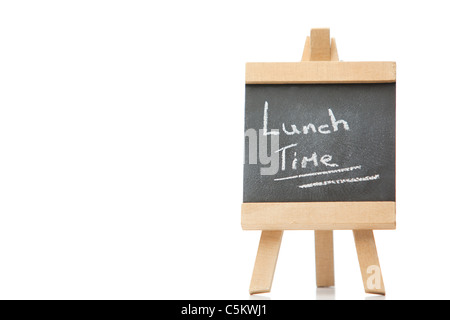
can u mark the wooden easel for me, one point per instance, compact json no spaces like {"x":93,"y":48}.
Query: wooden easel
{"x":323,"y":218}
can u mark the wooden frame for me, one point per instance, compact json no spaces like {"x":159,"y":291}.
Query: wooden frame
{"x":318,"y":216}
{"x":319,"y":72}
{"x":320,"y":64}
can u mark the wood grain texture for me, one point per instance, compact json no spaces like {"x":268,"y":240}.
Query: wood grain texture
{"x":334,"y":52}
{"x":318,"y":215}
{"x":320,"y":44}
{"x":323,"y":72}
{"x":266,"y":261}
{"x":323,"y":240}
{"x":368,"y":262}
{"x":307,"y":50}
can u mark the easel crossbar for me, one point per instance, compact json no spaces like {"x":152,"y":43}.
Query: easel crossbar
{"x":317,"y":72}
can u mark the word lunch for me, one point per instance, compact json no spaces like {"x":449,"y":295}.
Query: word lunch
{"x":323,"y":129}
{"x":326,"y":129}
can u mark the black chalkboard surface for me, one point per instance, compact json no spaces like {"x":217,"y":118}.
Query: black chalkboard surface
{"x":319,"y":142}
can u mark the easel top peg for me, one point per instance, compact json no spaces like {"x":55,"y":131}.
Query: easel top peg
{"x":320,"y":45}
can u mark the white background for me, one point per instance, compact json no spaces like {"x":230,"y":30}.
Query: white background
{"x":121,"y":147}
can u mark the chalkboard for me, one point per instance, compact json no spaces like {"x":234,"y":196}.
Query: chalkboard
{"x":319,"y":142}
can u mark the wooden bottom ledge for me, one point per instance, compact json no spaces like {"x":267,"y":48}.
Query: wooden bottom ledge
{"x":319,"y":216}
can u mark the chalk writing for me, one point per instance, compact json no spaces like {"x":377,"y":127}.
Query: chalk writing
{"x":326,"y":160}
{"x":340,"y":181}
{"x":319,"y":142}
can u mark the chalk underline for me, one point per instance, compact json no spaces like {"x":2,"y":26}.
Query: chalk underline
{"x":339,"y":181}
{"x":320,"y":173}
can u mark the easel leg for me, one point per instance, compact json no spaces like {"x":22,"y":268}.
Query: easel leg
{"x":266,"y":261}
{"x":324,"y":258}
{"x":368,"y":261}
